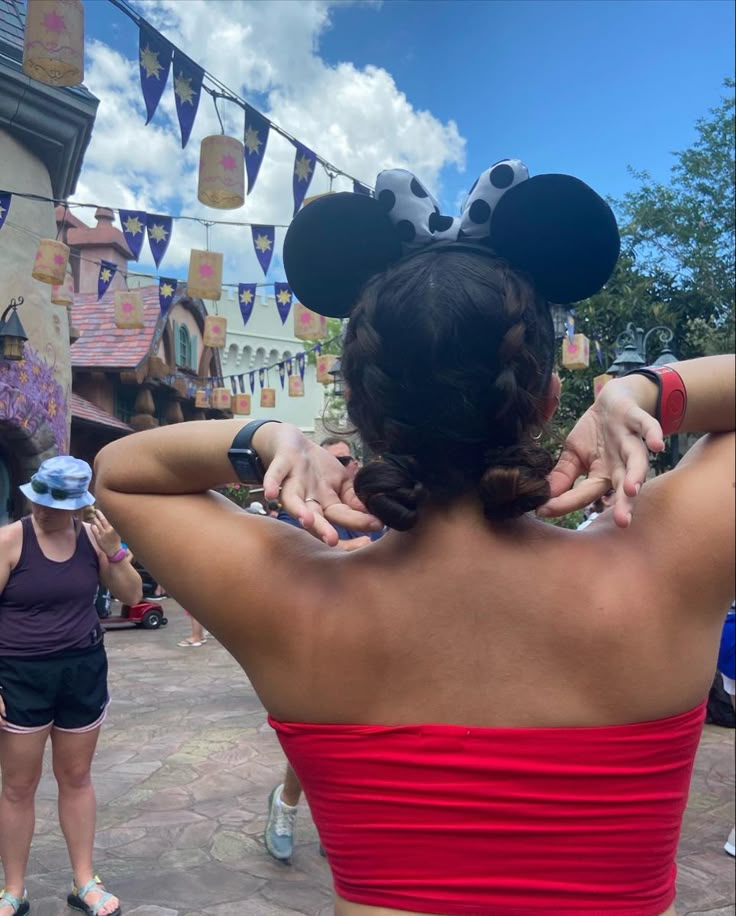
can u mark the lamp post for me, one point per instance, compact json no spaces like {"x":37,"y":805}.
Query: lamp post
{"x":631,"y":349}
{"x":12,"y":332}
{"x":559,"y":319}
{"x":336,"y":373}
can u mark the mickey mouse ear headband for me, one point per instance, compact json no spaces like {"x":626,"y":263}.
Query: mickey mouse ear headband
{"x":553,"y":227}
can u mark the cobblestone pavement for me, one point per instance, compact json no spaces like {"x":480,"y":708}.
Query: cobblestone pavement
{"x":183,"y":771}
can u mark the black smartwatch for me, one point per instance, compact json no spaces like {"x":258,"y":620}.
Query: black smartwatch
{"x":243,"y":457}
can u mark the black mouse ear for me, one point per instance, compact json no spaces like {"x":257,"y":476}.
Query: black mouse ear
{"x":333,"y":246}
{"x":560,"y":232}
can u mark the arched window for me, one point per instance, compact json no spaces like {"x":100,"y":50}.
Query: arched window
{"x":184,"y":347}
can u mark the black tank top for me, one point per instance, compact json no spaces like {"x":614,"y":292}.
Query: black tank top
{"x":49,"y":607}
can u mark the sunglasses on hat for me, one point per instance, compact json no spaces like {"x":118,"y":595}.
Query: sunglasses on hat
{"x":39,"y":486}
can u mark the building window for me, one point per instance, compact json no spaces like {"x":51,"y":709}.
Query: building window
{"x":125,"y":396}
{"x":184,"y":348}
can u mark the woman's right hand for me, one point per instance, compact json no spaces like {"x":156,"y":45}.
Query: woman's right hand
{"x":610,"y":446}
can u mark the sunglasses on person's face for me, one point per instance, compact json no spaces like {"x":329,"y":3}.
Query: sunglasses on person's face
{"x":39,"y":487}
{"x":345,"y":460}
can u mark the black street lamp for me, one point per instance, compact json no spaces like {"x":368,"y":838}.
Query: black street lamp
{"x":336,"y":373}
{"x":12,"y":332}
{"x":631,"y":349}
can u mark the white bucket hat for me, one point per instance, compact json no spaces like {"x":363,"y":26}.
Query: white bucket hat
{"x":60,"y":483}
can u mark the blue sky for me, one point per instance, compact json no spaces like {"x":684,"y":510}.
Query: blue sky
{"x":445,"y":87}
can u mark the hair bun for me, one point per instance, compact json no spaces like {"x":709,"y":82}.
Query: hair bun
{"x":515,"y":481}
{"x":389,"y":489}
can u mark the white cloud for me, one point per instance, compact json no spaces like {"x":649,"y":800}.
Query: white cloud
{"x":268,"y":53}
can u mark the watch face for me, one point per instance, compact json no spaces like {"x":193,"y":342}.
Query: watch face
{"x":247,"y":464}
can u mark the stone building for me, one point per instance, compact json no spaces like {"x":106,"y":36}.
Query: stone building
{"x":44,"y":132}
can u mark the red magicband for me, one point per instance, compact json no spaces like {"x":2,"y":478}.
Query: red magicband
{"x":671,"y":399}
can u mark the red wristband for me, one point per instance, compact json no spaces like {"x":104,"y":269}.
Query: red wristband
{"x":672,"y":397}
{"x":118,"y":556}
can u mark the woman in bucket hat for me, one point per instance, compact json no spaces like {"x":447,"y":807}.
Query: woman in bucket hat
{"x":53,"y":671}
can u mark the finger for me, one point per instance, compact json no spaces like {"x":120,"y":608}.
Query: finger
{"x":564,"y":474}
{"x":355,"y":519}
{"x":586,"y":492}
{"x":635,"y":459}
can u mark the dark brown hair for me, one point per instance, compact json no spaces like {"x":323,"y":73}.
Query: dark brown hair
{"x":448,"y":357}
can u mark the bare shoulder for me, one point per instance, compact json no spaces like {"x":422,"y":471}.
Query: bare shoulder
{"x":11,"y":534}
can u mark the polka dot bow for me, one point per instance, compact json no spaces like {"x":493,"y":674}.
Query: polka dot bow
{"x":416,"y":214}
{"x":552,"y":227}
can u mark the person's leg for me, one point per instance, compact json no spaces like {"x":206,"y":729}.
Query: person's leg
{"x":21,"y":763}
{"x":282,"y":811}
{"x":197,"y":637}
{"x":292,"y":791}
{"x":72,"y":758}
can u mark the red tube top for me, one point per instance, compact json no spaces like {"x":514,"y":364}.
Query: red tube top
{"x":500,"y":821}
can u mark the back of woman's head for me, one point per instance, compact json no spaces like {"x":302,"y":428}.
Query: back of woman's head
{"x":447,"y":359}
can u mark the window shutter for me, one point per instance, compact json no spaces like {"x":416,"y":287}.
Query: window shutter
{"x":177,"y":347}
{"x":193,"y":348}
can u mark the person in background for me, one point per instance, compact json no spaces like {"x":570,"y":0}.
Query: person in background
{"x":595,"y":509}
{"x":727,"y":670}
{"x":53,"y":671}
{"x":391,"y":674}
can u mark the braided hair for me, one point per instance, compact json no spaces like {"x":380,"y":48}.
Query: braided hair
{"x":447,"y":359}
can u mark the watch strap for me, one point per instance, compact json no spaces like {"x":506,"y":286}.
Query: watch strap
{"x":671,"y":396}
{"x":243,"y":456}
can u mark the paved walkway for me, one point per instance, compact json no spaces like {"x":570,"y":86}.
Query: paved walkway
{"x":183,"y":772}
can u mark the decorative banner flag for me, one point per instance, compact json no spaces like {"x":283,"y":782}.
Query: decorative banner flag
{"x":598,"y":352}
{"x":159,"y":235}
{"x":255,"y":138}
{"x":187,"y":90}
{"x":289,"y":367}
{"x":263,"y":242}
{"x":283,"y":300}
{"x":241,"y":384}
{"x":252,"y":381}
{"x":154,"y":63}
{"x":317,"y":349}
{"x":359,"y":188}
{"x":234,"y":384}
{"x":304,"y":163}
{"x":261,"y":377}
{"x":300,"y":364}
{"x":166,"y":291}
{"x":4,"y":207}
{"x":134,"y":229}
{"x":570,"y":325}
{"x":107,"y":271}
{"x":246,"y":298}
{"x":282,"y":373}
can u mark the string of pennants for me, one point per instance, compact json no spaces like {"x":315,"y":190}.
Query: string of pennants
{"x":137,"y":225}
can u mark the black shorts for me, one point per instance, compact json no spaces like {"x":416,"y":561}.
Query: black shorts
{"x":68,"y":691}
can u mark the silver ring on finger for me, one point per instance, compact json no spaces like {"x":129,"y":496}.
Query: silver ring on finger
{"x":311,"y":499}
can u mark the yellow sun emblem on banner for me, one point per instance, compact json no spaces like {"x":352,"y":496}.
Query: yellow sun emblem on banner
{"x":263,"y":243}
{"x":303,"y":168}
{"x":283,"y":297}
{"x":246,"y":297}
{"x":252,"y":140}
{"x":133,"y":225}
{"x":183,"y":89}
{"x":158,"y":233}
{"x":149,"y":62}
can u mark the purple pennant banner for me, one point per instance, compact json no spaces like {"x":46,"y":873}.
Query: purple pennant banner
{"x":134,"y":229}
{"x":289,"y":367}
{"x":283,"y":300}
{"x":300,"y":364}
{"x":107,"y":271}
{"x":5,"y":199}
{"x":317,"y":349}
{"x":359,"y":188}
{"x":261,"y":377}
{"x":263,"y":242}
{"x":241,"y":383}
{"x":246,"y":298}
{"x":159,"y":235}
{"x":188,"y":78}
{"x":255,"y":138}
{"x":252,"y":381}
{"x":166,"y":292}
{"x":282,"y":373}
{"x":234,"y":384}
{"x":154,"y":62}
{"x":304,"y":163}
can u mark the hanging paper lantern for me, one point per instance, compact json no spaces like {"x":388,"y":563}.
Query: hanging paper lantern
{"x":324,"y":364}
{"x":205,"y":274}
{"x":201,"y":399}
{"x":598,"y":383}
{"x":129,"y":309}
{"x":296,"y":387}
{"x":576,"y":352}
{"x":215,"y":331}
{"x":308,"y":325}
{"x":268,"y":397}
{"x":51,"y":262}
{"x":240,"y":404}
{"x":63,"y":294}
{"x":221,"y":398}
{"x":53,"y":46}
{"x":221,"y":172}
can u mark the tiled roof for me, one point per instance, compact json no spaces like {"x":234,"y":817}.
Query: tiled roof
{"x":104,"y":346}
{"x":84,"y":410}
{"x":12,"y":22}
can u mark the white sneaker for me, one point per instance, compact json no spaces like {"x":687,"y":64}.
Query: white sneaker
{"x":730,"y":844}
{"x":279,"y":833}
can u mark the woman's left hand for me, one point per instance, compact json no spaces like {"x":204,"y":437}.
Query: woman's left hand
{"x":108,"y":540}
{"x":312,"y":484}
